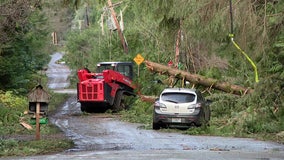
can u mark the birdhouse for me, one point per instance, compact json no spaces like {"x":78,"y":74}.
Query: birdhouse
{"x":38,"y":95}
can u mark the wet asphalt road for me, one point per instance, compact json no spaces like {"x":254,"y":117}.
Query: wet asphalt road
{"x":103,"y":136}
{"x":57,"y":73}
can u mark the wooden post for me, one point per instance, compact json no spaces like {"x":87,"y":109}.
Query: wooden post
{"x":125,"y":47}
{"x":138,"y":70}
{"x":37,"y":96}
{"x":37,"y":121}
{"x":54,"y":38}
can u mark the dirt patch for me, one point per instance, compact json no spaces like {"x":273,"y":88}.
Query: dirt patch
{"x":29,"y":137}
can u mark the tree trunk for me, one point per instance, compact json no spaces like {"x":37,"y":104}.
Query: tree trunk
{"x":197,"y":79}
{"x":124,"y":44}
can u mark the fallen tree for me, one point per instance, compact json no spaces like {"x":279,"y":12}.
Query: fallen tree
{"x":197,"y":79}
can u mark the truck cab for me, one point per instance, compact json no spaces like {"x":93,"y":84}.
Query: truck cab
{"x":125,"y":68}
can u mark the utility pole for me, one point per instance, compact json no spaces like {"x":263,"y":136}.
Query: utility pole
{"x":125,"y":47}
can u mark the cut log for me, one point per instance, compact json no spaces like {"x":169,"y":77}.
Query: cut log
{"x":197,"y":79}
{"x":27,"y":126}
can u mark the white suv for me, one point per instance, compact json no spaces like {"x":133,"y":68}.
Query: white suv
{"x":180,"y":107}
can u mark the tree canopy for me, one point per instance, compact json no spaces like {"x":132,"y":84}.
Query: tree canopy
{"x":24,"y":33}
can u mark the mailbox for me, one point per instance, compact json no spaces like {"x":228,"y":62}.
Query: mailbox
{"x":38,"y":95}
{"x":43,"y":107}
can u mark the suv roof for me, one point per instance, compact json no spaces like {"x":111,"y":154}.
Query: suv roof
{"x":190,"y":90}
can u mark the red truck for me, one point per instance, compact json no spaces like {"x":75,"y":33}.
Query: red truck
{"x":106,"y":88}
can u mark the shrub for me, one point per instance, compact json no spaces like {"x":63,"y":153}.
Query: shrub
{"x":139,"y":112}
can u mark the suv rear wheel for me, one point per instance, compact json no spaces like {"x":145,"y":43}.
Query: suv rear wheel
{"x":155,"y":126}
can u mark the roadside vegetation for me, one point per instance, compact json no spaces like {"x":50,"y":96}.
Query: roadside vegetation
{"x":24,"y":53}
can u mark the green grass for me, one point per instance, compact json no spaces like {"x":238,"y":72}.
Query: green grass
{"x":33,"y":147}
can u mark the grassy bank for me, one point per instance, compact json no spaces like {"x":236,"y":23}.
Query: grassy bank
{"x":15,"y":140}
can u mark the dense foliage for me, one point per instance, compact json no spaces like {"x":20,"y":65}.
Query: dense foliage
{"x":151,"y":28}
{"x":24,"y":33}
{"x":11,"y":109}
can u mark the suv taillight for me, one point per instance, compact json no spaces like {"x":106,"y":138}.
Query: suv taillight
{"x":197,"y":105}
{"x":159,"y":105}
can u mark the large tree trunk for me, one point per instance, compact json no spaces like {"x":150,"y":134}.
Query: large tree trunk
{"x":197,"y":79}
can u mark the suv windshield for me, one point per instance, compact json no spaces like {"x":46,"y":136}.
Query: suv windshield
{"x":178,"y":97}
